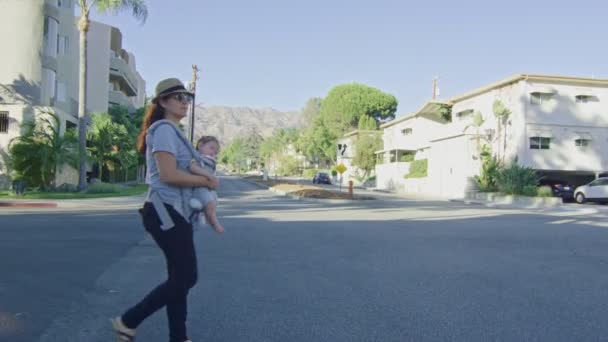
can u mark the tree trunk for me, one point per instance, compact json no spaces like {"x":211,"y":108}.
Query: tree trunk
{"x":100,"y":167}
{"x":504,"y":146}
{"x":83,"y":26}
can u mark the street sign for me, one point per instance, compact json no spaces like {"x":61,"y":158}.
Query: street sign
{"x":341,"y":168}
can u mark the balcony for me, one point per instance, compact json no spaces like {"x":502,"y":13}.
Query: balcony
{"x":121,"y":72}
{"x":119,"y":98}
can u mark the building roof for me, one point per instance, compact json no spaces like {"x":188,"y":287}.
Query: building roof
{"x":530,"y":77}
{"x":429,"y":110}
{"x":357,"y":132}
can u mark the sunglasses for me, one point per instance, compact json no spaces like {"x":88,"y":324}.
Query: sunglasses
{"x":181,"y":97}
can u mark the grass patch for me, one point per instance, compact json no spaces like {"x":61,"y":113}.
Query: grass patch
{"x":123,"y":191}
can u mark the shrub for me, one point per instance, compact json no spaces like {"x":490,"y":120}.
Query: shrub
{"x":104,"y":188}
{"x":515,"y":178}
{"x":309,"y":173}
{"x":489,"y":170}
{"x":288,"y":166}
{"x":530,"y":190}
{"x":418,"y":169}
{"x":407,"y":158}
{"x":334,"y":173}
{"x":544,"y":191}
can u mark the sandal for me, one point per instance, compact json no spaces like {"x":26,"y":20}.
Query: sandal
{"x":124,"y":334}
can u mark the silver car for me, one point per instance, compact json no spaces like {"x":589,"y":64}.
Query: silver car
{"x":596,"y":191}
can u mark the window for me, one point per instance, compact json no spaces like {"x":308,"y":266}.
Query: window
{"x":582,"y":142}
{"x":51,"y":29}
{"x":540,"y":98}
{"x":3,"y":122}
{"x":61,"y":92}
{"x":598,"y":182}
{"x":62,"y":45}
{"x":49,"y":86}
{"x":539,"y":143}
{"x":407,"y":131}
{"x":465,"y":113}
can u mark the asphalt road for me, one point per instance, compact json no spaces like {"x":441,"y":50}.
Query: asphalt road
{"x":390,"y":270}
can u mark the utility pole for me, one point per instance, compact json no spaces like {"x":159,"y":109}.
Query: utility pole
{"x":193,"y":105}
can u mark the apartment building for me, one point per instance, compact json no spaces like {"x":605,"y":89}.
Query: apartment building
{"x":556,"y":125}
{"x":40,"y":67}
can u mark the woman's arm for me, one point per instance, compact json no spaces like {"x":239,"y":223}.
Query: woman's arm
{"x":198,"y":170}
{"x":170,"y":174}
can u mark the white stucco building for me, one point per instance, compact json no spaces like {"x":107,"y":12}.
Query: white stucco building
{"x":39,"y":71}
{"x":557,"y":126}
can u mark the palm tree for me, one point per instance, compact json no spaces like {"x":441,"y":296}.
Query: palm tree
{"x":502,"y":113}
{"x":140,"y":11}
{"x":104,"y":137}
{"x":42,"y":150}
{"x":477,"y":122}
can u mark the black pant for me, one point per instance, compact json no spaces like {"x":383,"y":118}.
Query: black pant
{"x":178,"y":247}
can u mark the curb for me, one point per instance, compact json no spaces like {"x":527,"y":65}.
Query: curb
{"x":316,"y":200}
{"x":18,"y":204}
{"x":490,"y":204}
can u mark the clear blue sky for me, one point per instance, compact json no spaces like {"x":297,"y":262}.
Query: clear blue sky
{"x":279,"y":53}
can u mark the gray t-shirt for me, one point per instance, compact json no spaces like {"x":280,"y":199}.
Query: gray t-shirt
{"x":165,"y":139}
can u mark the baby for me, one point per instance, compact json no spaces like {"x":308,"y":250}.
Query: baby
{"x":204,"y":199}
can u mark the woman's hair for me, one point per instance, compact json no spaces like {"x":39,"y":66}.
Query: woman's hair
{"x":154,"y":112}
{"x":206,"y":139}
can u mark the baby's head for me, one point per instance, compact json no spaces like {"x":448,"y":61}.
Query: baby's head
{"x":208,"y":145}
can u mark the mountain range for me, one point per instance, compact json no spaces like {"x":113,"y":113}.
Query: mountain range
{"x":227,"y":123}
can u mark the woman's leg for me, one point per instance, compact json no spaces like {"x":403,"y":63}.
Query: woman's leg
{"x":178,"y":247}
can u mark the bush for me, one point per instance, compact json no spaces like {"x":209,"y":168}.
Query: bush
{"x":517,"y":180}
{"x":489,"y":170}
{"x":104,"y":188}
{"x":418,"y":169}
{"x":288,"y":166}
{"x":407,"y":158}
{"x":334,"y":173}
{"x":309,"y":173}
{"x":530,"y":190}
{"x":544,"y":191}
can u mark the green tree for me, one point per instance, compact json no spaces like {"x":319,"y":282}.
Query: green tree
{"x":140,"y":11}
{"x":233,"y":155}
{"x":367,"y":123}
{"x":251,"y":147}
{"x":311,"y":110}
{"x":42,"y":149}
{"x":318,"y":142}
{"x":104,"y":138}
{"x":365,"y":153}
{"x":344,"y":105}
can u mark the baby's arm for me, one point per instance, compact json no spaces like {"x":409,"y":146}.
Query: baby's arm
{"x":199,"y":170}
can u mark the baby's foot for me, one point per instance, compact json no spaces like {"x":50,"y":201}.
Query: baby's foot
{"x":215,"y":223}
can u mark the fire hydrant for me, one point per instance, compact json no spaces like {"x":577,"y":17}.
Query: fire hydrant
{"x":350,"y":188}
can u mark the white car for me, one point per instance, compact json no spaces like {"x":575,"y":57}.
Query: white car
{"x":596,"y":191}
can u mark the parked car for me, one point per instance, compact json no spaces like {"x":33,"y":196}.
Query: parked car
{"x":596,"y":191}
{"x":321,"y":178}
{"x":559,"y":188}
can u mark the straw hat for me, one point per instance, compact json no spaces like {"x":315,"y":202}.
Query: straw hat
{"x":170,"y":86}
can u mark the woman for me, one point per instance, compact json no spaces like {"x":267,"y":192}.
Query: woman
{"x":167,"y":156}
